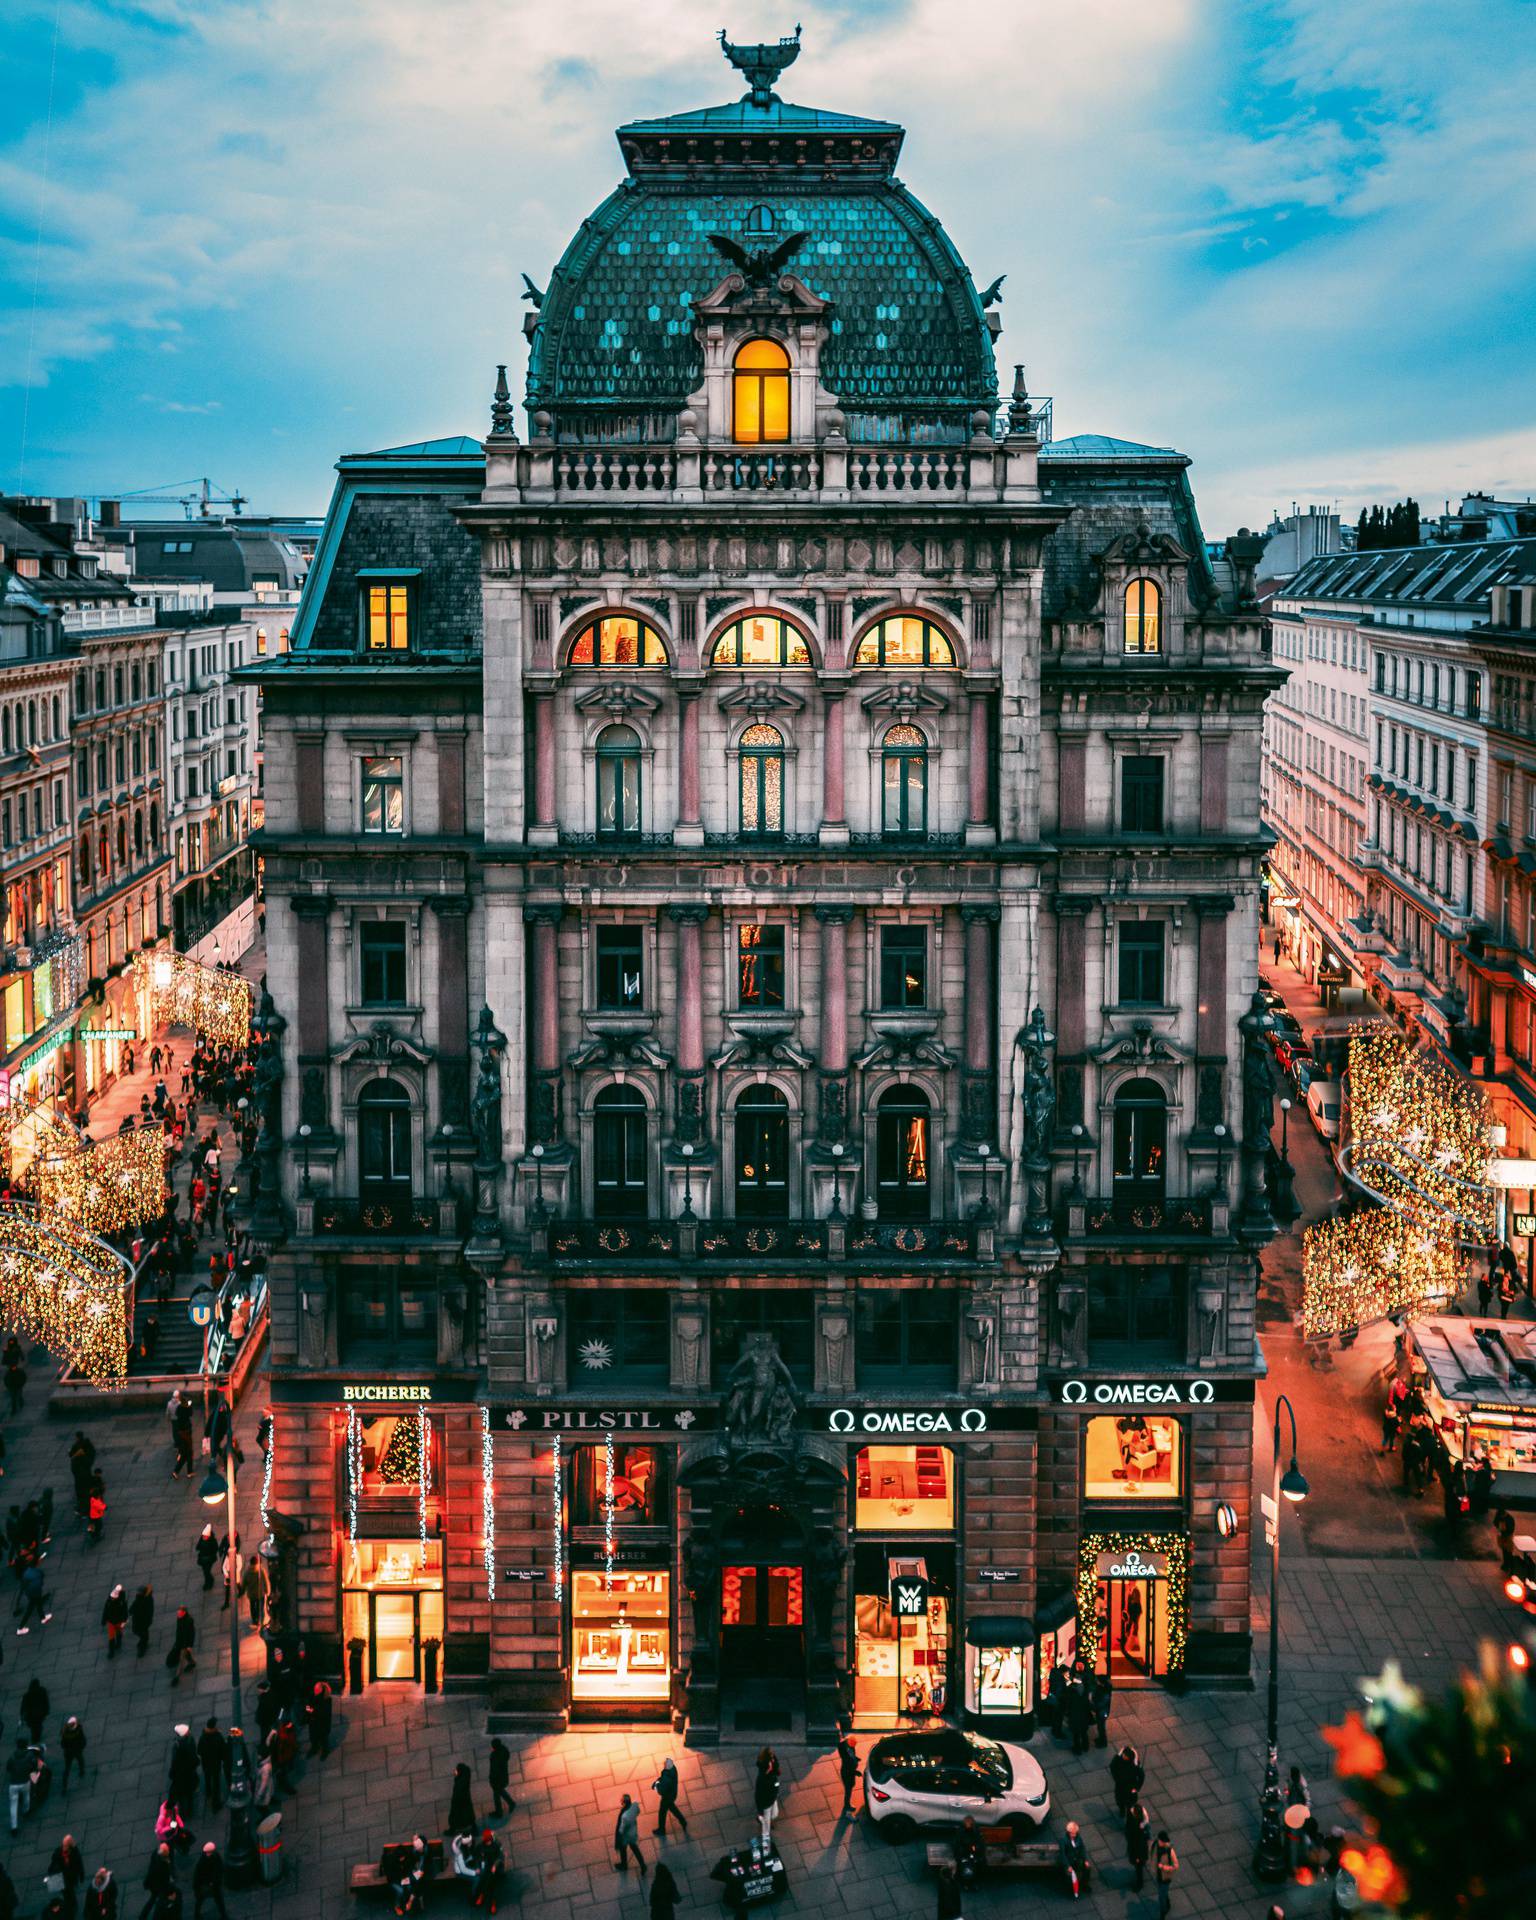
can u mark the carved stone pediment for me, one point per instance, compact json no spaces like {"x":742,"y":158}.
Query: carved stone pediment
{"x":618,"y":698}
{"x":383,"y":1044}
{"x":624,"y":1044}
{"x":761,"y":696}
{"x":905,"y":1039}
{"x":1141,"y":547}
{"x":746,"y":294}
{"x":1143,"y":1043}
{"x":905,"y":699}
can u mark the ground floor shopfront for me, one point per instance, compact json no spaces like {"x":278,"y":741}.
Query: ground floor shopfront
{"x":890,"y":1565}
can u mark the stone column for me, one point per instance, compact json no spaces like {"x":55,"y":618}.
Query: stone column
{"x":832,"y":1122}
{"x":834,"y":784}
{"x":1071,"y":1009}
{"x":978,"y":1116}
{"x":544,"y":802}
{"x":690,"y":827}
{"x":688,"y":1121}
{"x":979,"y":768}
{"x":545,"y":1124}
{"x":313,"y":1005}
{"x":452,"y":1009}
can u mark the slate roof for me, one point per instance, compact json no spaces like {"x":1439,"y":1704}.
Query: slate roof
{"x":1117,"y":486}
{"x":1456,"y":576}
{"x":1104,"y":446}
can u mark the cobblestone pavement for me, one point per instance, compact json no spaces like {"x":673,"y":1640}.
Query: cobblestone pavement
{"x":1342,"y":1615}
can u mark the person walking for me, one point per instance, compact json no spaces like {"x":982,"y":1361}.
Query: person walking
{"x":159,"y":1880}
{"x":181,"y":1658}
{"x":665,"y":1786}
{"x":68,"y":1865}
{"x":72,"y":1746}
{"x":181,"y":1441}
{"x":101,"y":1896}
{"x":461,"y":1802}
{"x":1390,"y":1422}
{"x":665,"y":1893}
{"x":626,"y":1836}
{"x":1101,"y":1695}
{"x":15,"y":1384}
{"x":1165,"y":1864}
{"x":1079,"y":1715}
{"x":207,"y":1554}
{"x":184,"y":1767}
{"x":95,"y":1511}
{"x":499,"y":1774}
{"x":847,"y":1770}
{"x":1484,"y":1293}
{"x":82,"y":1458}
{"x":1138,"y":1841}
{"x":208,"y":1882}
{"x":317,"y":1716}
{"x":34,"y":1709}
{"x":141,"y":1615}
{"x":1129,"y":1777}
{"x":765,"y":1793}
{"x":1074,"y":1861}
{"x":32,"y":1597}
{"x":213,"y":1756}
{"x":18,"y":1779}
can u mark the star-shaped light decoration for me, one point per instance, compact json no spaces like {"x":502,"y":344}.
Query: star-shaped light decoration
{"x":595,"y":1355}
{"x":1391,"y":1691}
{"x":1357,"y":1753}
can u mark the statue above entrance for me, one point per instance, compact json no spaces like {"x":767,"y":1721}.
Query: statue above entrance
{"x":760,"y":1399}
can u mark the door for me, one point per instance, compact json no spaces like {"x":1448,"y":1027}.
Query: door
{"x":762,"y":1155}
{"x":1131,"y":1629}
{"x":762,"y":1620}
{"x":395,"y":1637}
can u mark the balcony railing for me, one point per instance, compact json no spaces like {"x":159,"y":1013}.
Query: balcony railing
{"x":1125,"y":1220}
{"x":898,"y":1242}
{"x":398,"y":1219}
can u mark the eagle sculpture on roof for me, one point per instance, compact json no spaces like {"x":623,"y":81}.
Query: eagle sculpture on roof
{"x":759,"y":264}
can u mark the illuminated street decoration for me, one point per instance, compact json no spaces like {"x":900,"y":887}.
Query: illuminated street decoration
{"x":488,"y":1502}
{"x":1368,"y":1265}
{"x":557,"y":1500}
{"x":182,"y":992}
{"x":1421,"y":1138}
{"x":104,"y":1185}
{"x":65,"y":1290}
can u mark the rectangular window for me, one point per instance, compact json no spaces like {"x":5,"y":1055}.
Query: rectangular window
{"x":619,"y":1335}
{"x":738,"y":1313}
{"x":154,"y":751}
{"x":387,"y":1311}
{"x":907,"y":1336}
{"x":621,"y":968}
{"x":621,"y":1643}
{"x":390,"y":1449}
{"x":1141,"y":963}
{"x":904,"y":1489}
{"x":381,"y":950}
{"x":760,"y":966}
{"x":1141,"y":793}
{"x":83,"y":775}
{"x":1140,"y":1308}
{"x":383,"y":795}
{"x":903,"y":967}
{"x":389,"y":618}
{"x":641,"y":1487}
{"x":1133,"y":1457}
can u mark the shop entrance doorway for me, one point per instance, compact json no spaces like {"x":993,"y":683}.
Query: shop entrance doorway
{"x":1133,"y":1628}
{"x":762,"y":1619}
{"x":393,"y":1602}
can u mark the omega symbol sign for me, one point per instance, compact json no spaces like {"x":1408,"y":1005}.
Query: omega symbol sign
{"x":914,"y":1420}
{"x":1137,"y":1393}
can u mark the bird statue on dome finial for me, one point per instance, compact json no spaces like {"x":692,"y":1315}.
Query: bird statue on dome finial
{"x":762,"y":64}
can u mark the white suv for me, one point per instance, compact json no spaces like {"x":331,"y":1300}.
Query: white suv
{"x":936,"y":1779}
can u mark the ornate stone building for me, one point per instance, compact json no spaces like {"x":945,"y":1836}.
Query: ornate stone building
{"x":762,"y":887}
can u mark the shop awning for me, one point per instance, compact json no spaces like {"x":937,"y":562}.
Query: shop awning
{"x":999,"y":1630}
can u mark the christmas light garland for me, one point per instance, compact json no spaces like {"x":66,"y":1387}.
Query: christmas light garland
{"x":1175,"y":1549}
{"x":558,"y":1498}
{"x":266,"y":1480}
{"x":182,"y":992}
{"x":608,"y":1512}
{"x":105,"y":1185}
{"x":1421,"y":1138}
{"x":488,"y":1501}
{"x":54,"y":1135}
{"x":1366,"y":1266}
{"x":423,"y":1475}
{"x":63,"y":1289}
{"x":354,"y":1471}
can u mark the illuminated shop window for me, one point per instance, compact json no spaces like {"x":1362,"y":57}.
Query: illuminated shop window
{"x":1133,"y":1456}
{"x":761,"y":640}
{"x":621,"y":1636}
{"x":390,"y":1455}
{"x":640,"y":1486}
{"x":901,"y":1489}
{"x":617,"y":641}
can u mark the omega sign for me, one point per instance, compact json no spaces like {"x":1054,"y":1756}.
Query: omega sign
{"x":1132,"y":1564}
{"x":894,"y":1420}
{"x":1136,"y":1393}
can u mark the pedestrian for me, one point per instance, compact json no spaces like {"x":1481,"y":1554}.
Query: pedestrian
{"x":1389,"y":1425}
{"x":461,"y":1802}
{"x":264,"y":1425}
{"x":1504,"y":1534}
{"x":171,"y":1824}
{"x":626,"y":1835}
{"x":181,"y":1440}
{"x":765,"y":1793}
{"x":208,"y":1882}
{"x":68,"y":1866}
{"x":499,"y":1773}
{"x":95,"y":1511}
{"x":101,"y":1896}
{"x":1458,"y":1495}
{"x":1507,"y":1291}
{"x":229,"y":1555}
{"x":18,"y":1779}
{"x":491,"y":1868}
{"x":948,"y":1895}
{"x":1056,"y":1697}
{"x":1138,"y":1841}
{"x":1074,"y":1861}
{"x":665,"y":1894}
{"x":1129,"y":1776}
{"x":1100,"y":1698}
{"x":284,"y":1749}
{"x":1079,"y":1715}
{"x":213,"y":1756}
{"x":1484,"y":1293}
{"x":181,"y":1658}
{"x":154,"y":1058}
{"x":847,"y":1769}
{"x":207,"y":1554}
{"x":184,"y":1766}
{"x":159,"y":1879}
{"x":34,"y":1709}
{"x":665,"y":1787}
{"x":15,"y":1384}
{"x":266,"y":1710}
{"x":72,"y":1746}
{"x":141,"y":1615}
{"x":317,"y":1713}
{"x":1165,"y":1864}
{"x":82,"y":1457}
{"x":1480,"y":1487}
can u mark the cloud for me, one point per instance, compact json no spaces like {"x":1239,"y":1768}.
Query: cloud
{"x":181,"y":406}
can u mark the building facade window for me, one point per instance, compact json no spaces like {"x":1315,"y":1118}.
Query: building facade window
{"x":762,"y":1154}
{"x":903,"y":968}
{"x":617,"y":640}
{"x":904,"y":1490}
{"x":904,"y":640}
{"x":618,"y":1335}
{"x":1133,"y":1457}
{"x":1141,"y":793}
{"x":620,"y":966}
{"x":759,"y":966}
{"x":1135,"y":1313}
{"x":386,"y":1311}
{"x":904,"y":766}
{"x":902,"y":1132}
{"x":761,"y":640}
{"x":762,"y":780}
{"x":387,"y":617}
{"x":618,"y":781}
{"x":907,"y":1337}
{"x":736,"y":1314}
{"x":1143,"y":617}
{"x":619,"y":1154}
{"x":1141,"y":963}
{"x":384,"y":1143}
{"x":1140,"y":1145}
{"x":760,"y":393}
{"x":383,"y":778}
{"x":381,"y":963}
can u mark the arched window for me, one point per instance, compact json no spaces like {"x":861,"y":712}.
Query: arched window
{"x":1143,"y":621}
{"x":122,"y":843}
{"x":761,"y":640}
{"x":138,"y":834}
{"x":31,"y":723}
{"x":617,"y":640}
{"x":261,"y":640}
{"x":904,"y":640}
{"x":904,"y":765}
{"x":901,"y":1154}
{"x":618,"y":780}
{"x":762,"y":1155}
{"x":103,"y":853}
{"x":760,"y":393}
{"x":762,"y":780}
{"x":384,"y":1144}
{"x":85,"y":859}
{"x":5,"y":730}
{"x":619,"y":1154}
{"x":58,"y":732}
{"x":1140,"y":1146}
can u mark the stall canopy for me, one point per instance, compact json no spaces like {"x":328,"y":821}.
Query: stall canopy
{"x":1000,"y":1630}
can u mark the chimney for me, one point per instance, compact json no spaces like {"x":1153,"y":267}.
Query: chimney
{"x":111,"y":513}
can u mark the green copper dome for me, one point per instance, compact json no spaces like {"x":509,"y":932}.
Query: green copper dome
{"x":615,"y":330}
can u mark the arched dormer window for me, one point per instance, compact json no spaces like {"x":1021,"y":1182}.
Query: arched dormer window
{"x":619,"y":1154}
{"x":384,"y":1143}
{"x":904,"y":765}
{"x":904,"y":640}
{"x":1143,"y":616}
{"x":902,"y":1153}
{"x":1140,"y":1145}
{"x":617,"y":640}
{"x":761,"y":640}
{"x":762,"y":780}
{"x":618,"y":780}
{"x":760,"y":393}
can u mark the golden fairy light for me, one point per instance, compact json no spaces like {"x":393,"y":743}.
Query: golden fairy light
{"x":31,"y":1131}
{"x":182,"y":992}
{"x":104,"y":1185}
{"x":63,"y":1289}
{"x":1421,"y":1138}
{"x":1366,"y":1266}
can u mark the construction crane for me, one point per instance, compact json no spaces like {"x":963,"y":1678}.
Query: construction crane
{"x":205,"y":496}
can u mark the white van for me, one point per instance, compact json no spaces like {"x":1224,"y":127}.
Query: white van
{"x":1325,"y":1103}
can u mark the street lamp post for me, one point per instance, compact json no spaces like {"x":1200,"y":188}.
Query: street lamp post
{"x":304,"y":1137}
{"x":1286,"y":1208}
{"x":1271,"y":1860}
{"x":240,"y":1853}
{"x":687,"y":1180}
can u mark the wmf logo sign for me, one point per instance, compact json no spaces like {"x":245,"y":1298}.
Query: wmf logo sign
{"x":909,"y":1598}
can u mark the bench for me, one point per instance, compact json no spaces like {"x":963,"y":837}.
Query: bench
{"x":1002,"y":1853}
{"x":367,"y":1878}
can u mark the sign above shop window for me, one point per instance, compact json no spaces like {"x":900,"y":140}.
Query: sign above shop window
{"x":1525,"y":1226}
{"x":388,"y":1392}
{"x":1132,"y":1563}
{"x":916,"y":1423}
{"x":852,"y":1422}
{"x":1077,"y":1390}
{"x":590,"y":1419}
{"x":441,"y":1388}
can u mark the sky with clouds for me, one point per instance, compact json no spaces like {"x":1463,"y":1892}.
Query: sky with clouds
{"x":1294,"y":238}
